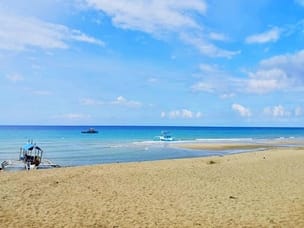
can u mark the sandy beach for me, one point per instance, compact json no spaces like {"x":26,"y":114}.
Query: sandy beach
{"x":256,"y":189}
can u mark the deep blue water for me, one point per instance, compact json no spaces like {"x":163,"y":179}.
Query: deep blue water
{"x":67,"y":146}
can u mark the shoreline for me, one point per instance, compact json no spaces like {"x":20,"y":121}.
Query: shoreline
{"x":238,"y":144}
{"x":90,"y":151}
{"x":216,"y":148}
{"x":249,"y":189}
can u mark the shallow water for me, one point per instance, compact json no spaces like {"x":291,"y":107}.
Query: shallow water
{"x":67,"y":146}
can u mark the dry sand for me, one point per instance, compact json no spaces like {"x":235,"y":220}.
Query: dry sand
{"x":257,"y":189}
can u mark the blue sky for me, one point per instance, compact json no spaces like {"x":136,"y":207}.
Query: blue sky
{"x":152,"y":62}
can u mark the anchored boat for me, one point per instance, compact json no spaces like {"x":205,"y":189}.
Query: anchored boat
{"x":90,"y":131}
{"x":165,"y":136}
{"x":30,"y":157}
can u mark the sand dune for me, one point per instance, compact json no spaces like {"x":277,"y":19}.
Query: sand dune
{"x":257,"y":189}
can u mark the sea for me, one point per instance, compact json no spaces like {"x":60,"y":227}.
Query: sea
{"x":68,"y":146}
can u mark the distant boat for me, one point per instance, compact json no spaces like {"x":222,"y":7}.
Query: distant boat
{"x":165,"y":136}
{"x":90,"y":131}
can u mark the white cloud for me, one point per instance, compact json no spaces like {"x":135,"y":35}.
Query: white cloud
{"x":277,"y":73}
{"x":265,"y":81}
{"x":14,"y":77}
{"x":203,"y":87}
{"x":154,"y":16}
{"x":79,"y":36}
{"x":227,"y":95}
{"x":276,"y":111}
{"x":120,"y":100}
{"x":206,"y":68}
{"x":207,"y":48}
{"x":160,"y":18}
{"x":218,"y":36}
{"x":269,"y":36}
{"x":279,"y":111}
{"x":243,"y":111}
{"x":72,"y":116}
{"x":214,"y":80}
{"x":20,"y":33}
{"x":181,"y":114}
{"x":291,"y":64}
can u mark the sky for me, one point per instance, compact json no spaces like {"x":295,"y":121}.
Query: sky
{"x":152,"y":62}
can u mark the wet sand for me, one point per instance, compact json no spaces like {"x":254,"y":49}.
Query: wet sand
{"x":256,"y":189}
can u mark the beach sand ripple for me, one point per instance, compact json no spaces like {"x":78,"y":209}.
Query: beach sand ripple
{"x":257,"y":189}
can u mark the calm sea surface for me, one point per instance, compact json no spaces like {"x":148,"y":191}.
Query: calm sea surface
{"x":67,"y":146}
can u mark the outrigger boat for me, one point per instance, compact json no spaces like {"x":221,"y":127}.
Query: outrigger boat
{"x":30,"y":157}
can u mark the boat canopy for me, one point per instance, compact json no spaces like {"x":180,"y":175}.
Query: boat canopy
{"x":30,"y":146}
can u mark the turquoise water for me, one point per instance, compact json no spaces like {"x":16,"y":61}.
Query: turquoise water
{"x":67,"y":146}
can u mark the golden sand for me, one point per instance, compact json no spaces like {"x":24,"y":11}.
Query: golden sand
{"x":257,"y":189}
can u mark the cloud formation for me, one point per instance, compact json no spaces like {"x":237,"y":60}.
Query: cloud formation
{"x":20,"y":33}
{"x":154,"y":16}
{"x":264,"y":81}
{"x":181,"y":114}
{"x":271,"y":35}
{"x":207,"y":48}
{"x":277,"y":73}
{"x":160,"y":18}
{"x":241,"y":110}
{"x":218,"y":36}
{"x":276,"y":111}
{"x":120,"y":101}
{"x":215,"y":80}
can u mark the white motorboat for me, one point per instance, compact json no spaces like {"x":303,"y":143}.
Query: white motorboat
{"x":165,"y":136}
